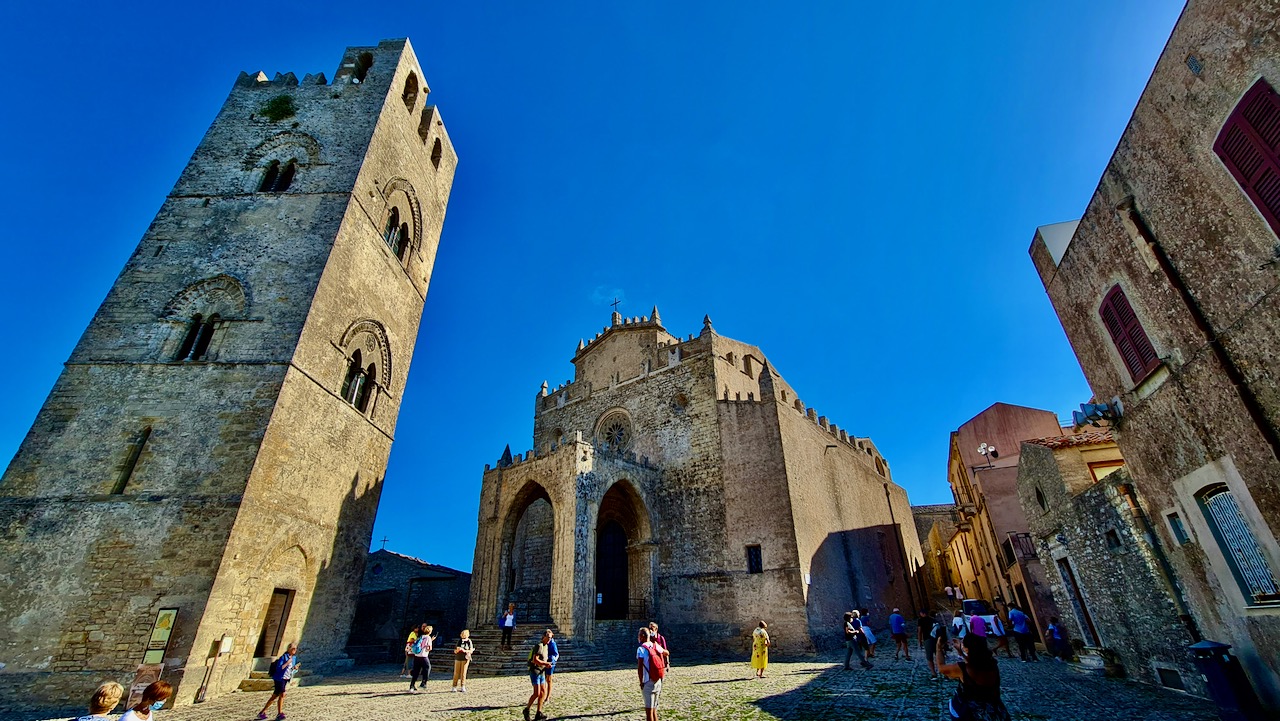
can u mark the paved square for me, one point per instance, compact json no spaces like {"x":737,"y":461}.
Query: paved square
{"x":791,"y":690}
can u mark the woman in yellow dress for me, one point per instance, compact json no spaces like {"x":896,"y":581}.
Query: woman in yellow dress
{"x":760,"y":649}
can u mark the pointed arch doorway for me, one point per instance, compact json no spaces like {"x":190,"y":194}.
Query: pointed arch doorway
{"x":623,"y":555}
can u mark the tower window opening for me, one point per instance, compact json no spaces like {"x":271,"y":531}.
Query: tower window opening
{"x":437,"y":152}
{"x":286,"y":177}
{"x":755,"y":560}
{"x":410,"y":94}
{"x":356,"y":385}
{"x":403,"y":245}
{"x":195,"y":345}
{"x":269,"y":178}
{"x":363,"y":63}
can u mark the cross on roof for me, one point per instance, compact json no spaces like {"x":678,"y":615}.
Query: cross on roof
{"x":615,"y":304}
{"x":384,"y":542}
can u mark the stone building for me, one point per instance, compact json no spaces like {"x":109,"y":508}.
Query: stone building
{"x":936,"y":527}
{"x":995,"y":560}
{"x":1167,"y":290}
{"x":1093,"y":534}
{"x":397,"y":594}
{"x":217,"y":440}
{"x":684,"y":480}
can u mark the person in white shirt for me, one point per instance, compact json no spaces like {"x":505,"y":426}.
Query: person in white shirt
{"x":153,"y":699}
{"x":646,"y":655}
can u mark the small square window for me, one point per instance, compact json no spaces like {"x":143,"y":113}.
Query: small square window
{"x":1113,"y":539}
{"x":1169,"y":678}
{"x":1179,"y":531}
{"x":755,"y":562}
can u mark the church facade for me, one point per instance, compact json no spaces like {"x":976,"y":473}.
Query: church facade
{"x":683,"y":481}
{"x":199,"y":488}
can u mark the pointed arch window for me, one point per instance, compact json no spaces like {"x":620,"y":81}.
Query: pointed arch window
{"x":195,"y":344}
{"x":359,"y":381}
{"x":1126,"y":331}
{"x":1249,"y":145}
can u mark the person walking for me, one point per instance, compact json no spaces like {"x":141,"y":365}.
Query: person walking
{"x":1056,"y":640}
{"x":760,"y":649}
{"x":153,"y":699}
{"x":507,"y":622}
{"x":650,"y":671}
{"x":1002,"y":637}
{"x":865,"y":617}
{"x":935,"y":648}
{"x":959,"y":629}
{"x":1022,"y":632}
{"x":408,"y":655}
{"x":661,"y":642}
{"x":282,"y":670}
{"x":553,"y":655}
{"x":898,"y":632}
{"x":924,"y":624}
{"x":421,"y":649}
{"x":538,"y":663}
{"x":977,"y":696}
{"x":104,"y":700}
{"x":461,"y":659}
{"x":852,"y":642}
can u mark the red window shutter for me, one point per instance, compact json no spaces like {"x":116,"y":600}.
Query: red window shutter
{"x":1128,"y":335}
{"x":1249,"y":146}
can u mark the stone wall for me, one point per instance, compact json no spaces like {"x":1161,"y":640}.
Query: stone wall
{"x":1210,"y":310}
{"x":397,"y":594}
{"x":1121,"y":584}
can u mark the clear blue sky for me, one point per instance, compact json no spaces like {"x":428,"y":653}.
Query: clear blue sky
{"x":853,"y":189}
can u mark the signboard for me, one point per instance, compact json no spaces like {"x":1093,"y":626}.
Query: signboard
{"x":148,"y":673}
{"x":158,"y":643}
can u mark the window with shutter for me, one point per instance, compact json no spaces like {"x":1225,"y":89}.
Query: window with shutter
{"x":1249,"y":145}
{"x":1127,"y":334}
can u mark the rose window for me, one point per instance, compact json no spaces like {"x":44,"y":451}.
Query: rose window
{"x":615,"y":434}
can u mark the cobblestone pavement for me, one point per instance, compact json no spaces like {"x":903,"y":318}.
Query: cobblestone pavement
{"x":791,"y":690}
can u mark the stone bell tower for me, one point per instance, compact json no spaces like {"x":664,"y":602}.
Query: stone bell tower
{"x":217,"y":441}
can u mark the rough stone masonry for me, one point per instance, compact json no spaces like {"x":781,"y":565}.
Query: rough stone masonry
{"x":217,"y":441}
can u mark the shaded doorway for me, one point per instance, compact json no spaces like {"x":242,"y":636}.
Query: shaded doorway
{"x":611,"y":572}
{"x":274,"y":624}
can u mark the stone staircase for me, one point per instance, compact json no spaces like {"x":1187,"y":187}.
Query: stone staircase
{"x":261,"y":680}
{"x":490,"y":659}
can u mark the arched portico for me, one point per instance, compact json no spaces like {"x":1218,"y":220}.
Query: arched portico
{"x":528,"y":555}
{"x":623,"y":555}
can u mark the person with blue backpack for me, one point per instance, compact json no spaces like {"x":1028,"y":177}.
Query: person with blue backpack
{"x":421,"y":650}
{"x":282,"y":670}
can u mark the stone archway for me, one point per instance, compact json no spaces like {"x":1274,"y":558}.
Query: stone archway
{"x":528,"y":550}
{"x":623,"y":556}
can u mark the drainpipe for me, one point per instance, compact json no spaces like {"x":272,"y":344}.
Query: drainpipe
{"x":1166,"y":569}
{"x":1256,"y":413}
{"x":902,"y":552}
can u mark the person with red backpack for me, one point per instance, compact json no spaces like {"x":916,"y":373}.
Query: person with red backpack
{"x":650,"y":668}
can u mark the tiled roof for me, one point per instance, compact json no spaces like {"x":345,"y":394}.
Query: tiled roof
{"x":1092,"y":438}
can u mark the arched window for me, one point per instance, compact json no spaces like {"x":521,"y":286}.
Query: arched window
{"x":269,"y":178}
{"x":1249,"y":145}
{"x":195,"y":345}
{"x":400,"y":247}
{"x":391,"y":233}
{"x":1238,"y":544}
{"x":359,"y":381}
{"x":437,"y":152}
{"x":410,"y":94}
{"x":276,"y":179}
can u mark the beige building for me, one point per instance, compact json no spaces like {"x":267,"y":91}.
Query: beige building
{"x":683,"y":479}
{"x":1167,"y":290}
{"x":202,"y":481}
{"x":994,"y":557}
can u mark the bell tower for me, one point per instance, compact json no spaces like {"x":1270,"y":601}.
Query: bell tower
{"x":216,"y":442}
